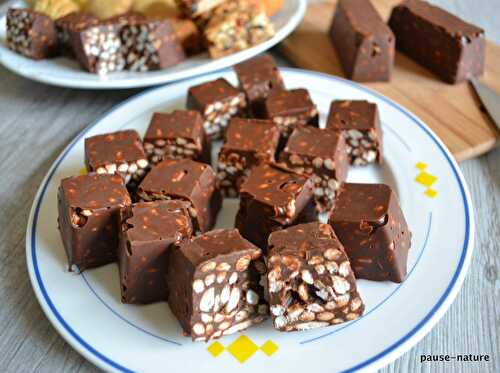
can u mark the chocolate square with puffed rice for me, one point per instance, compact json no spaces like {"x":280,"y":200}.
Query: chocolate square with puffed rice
{"x":149,"y":230}
{"x":69,"y":25}
{"x":369,"y":222}
{"x":217,"y":101}
{"x":248,"y":143}
{"x":90,"y":208}
{"x":215,"y":283}
{"x":360,"y":123}
{"x":311,"y":283}
{"x":320,"y":154}
{"x":177,"y":135}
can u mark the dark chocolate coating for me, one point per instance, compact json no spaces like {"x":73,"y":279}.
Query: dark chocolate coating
{"x":89,"y":208}
{"x":213,"y":284}
{"x":31,"y":34}
{"x":311,"y":283}
{"x":371,"y":226}
{"x":204,"y":94}
{"x":186,"y":180}
{"x":69,"y":25}
{"x":364,"y":43}
{"x":148,"y":231}
{"x":273,"y":198}
{"x":257,"y":77}
{"x":438,"y":40}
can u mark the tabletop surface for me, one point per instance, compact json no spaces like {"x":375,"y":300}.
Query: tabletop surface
{"x":38,"y":121}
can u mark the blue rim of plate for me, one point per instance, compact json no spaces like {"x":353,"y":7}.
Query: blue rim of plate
{"x":465,"y":249}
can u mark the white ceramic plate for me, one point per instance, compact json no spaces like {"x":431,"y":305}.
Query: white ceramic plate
{"x":87,"y":312}
{"x":65,"y":72}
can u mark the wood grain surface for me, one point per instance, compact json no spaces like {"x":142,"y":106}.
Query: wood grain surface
{"x":37,"y":122}
{"x":452,"y":111}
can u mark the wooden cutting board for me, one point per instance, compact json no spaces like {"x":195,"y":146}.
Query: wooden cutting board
{"x":452,"y":111}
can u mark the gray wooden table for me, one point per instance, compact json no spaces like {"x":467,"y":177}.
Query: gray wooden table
{"x":37,"y":121}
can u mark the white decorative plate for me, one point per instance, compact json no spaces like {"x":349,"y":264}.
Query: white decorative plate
{"x":65,"y":72}
{"x":87,"y":312}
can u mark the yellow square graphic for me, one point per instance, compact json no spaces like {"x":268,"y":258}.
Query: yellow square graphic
{"x":215,"y":349}
{"x":83,"y":171}
{"x":421,"y":166}
{"x":431,"y":193}
{"x":269,"y":348}
{"x":426,"y":179}
{"x":242,"y":348}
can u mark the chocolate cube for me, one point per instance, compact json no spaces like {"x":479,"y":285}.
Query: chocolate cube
{"x":120,"y":152}
{"x":177,"y":135}
{"x":189,"y":181}
{"x":359,"y":122}
{"x":257,"y":77}
{"x":364,"y":43}
{"x":273,"y":198}
{"x":69,"y":26}
{"x":89,"y":208}
{"x":438,"y":40}
{"x":31,"y":33}
{"x":321,"y":154}
{"x":311,"y":283}
{"x":149,"y":230}
{"x":188,"y":35}
{"x":218,"y":101}
{"x":371,"y":226}
{"x":290,"y":110}
{"x":248,"y":142}
{"x":214,"y":284}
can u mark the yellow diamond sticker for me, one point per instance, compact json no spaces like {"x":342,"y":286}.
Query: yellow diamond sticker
{"x":242,"y":348}
{"x":426,"y":179}
{"x":421,"y":166}
{"x":215,"y":349}
{"x":431,"y":193}
{"x":83,"y":171}
{"x":269,"y":348}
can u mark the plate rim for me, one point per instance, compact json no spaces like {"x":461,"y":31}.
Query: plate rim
{"x":151,"y":81}
{"x":381,"y":359}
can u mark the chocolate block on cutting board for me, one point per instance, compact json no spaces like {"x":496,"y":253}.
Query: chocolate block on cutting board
{"x":90,"y":208}
{"x":438,"y":40}
{"x":148,"y":232}
{"x":364,"y":43}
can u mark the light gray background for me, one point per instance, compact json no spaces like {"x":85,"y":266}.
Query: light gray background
{"x":37,"y":121}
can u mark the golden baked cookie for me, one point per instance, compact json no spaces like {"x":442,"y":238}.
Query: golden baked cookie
{"x":156,"y":8}
{"x":108,"y":8}
{"x":56,"y":8}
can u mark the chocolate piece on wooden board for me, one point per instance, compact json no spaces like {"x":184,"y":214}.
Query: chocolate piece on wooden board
{"x":234,"y":26}
{"x":257,"y":77}
{"x":248,"y":143}
{"x":215,"y":284}
{"x":31,"y":34}
{"x":70,"y":24}
{"x":118,"y":152}
{"x":188,"y":35}
{"x":369,"y":222}
{"x":291,"y":109}
{"x":310,"y":280}
{"x":360,"y":123}
{"x":320,"y":154}
{"x":443,"y":43}
{"x":273,"y":198}
{"x":195,"y":8}
{"x":178,"y":134}
{"x":89,"y":209}
{"x":218,"y":101}
{"x":148,"y":232}
{"x":186,"y":180}
{"x":364,"y":43}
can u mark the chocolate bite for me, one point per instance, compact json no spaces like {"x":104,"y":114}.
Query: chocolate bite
{"x":438,"y":40}
{"x":188,"y":35}
{"x":31,"y":34}
{"x":68,"y":28}
{"x":371,"y":226}
{"x":273,"y":198}
{"x":311,"y":283}
{"x":177,"y":135}
{"x":89,"y":209}
{"x":257,"y":77}
{"x":218,"y":101}
{"x":189,"y":181}
{"x":248,"y":142}
{"x":290,"y":110}
{"x":118,"y":152}
{"x":214,"y":284}
{"x":364,"y":43}
{"x":360,"y":124}
{"x":149,"y":230}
